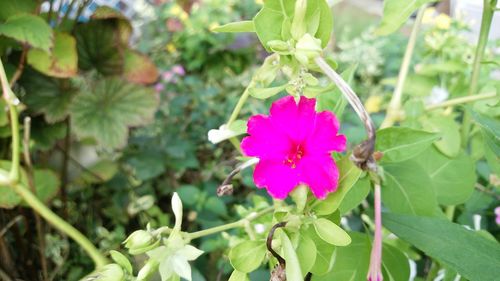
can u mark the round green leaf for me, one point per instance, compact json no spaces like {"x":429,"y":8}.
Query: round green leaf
{"x":331,"y":233}
{"x":109,"y":108}
{"x":408,"y":189}
{"x":28,"y":29}
{"x":248,"y":255}
{"x":398,"y":143}
{"x":62,"y":60}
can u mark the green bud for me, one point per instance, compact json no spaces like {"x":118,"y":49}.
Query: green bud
{"x":299,"y":27}
{"x":307,"y":48}
{"x":299,"y":196}
{"x":147,"y":270}
{"x":110,"y":272}
{"x":267,"y":72}
{"x":177,"y":209}
{"x":140,"y":241}
{"x":279,"y":46}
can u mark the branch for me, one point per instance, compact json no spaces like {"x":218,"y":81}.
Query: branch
{"x":362,"y":154}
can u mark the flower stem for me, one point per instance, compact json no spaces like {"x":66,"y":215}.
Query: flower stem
{"x":60,"y":224}
{"x":375,"y":273}
{"x":241,"y":102}
{"x":236,"y":224}
{"x":393,"y":111}
{"x":487,"y":17}
{"x":461,"y":100}
{"x":26,"y":194}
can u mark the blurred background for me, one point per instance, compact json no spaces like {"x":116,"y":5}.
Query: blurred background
{"x":197,"y":78}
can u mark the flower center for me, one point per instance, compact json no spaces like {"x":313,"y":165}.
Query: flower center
{"x":294,"y":156}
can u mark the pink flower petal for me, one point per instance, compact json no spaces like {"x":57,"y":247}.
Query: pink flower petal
{"x":320,"y":173}
{"x":297,"y":120}
{"x":325,"y":136}
{"x":264,"y":141}
{"x":277,"y":178}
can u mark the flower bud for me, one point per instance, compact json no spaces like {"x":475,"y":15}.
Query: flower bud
{"x":299,"y":28}
{"x":149,"y":268}
{"x":110,"y":272}
{"x":307,"y":48}
{"x":140,"y":241}
{"x":278,"y":46}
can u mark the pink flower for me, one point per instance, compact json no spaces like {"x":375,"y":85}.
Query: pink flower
{"x":168,"y":76}
{"x":159,"y":87}
{"x":497,"y":213}
{"x":179,"y":70}
{"x":294,"y":145}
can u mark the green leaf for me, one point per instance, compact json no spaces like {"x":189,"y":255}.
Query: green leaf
{"x":395,"y":264}
{"x":293,"y":272}
{"x":28,"y":29}
{"x":396,"y":13}
{"x":408,"y":189}
{"x":473,"y":256}
{"x":44,"y":136}
{"x":100,"y":172}
{"x":50,"y":96}
{"x":491,"y":130}
{"x":331,"y":232}
{"x":319,"y":15}
{"x":46,"y":183}
{"x":268,"y":24}
{"x":11,"y":8}
{"x":265,"y":93}
{"x":351,"y":262}
{"x":99,"y":47}
{"x":324,"y":253}
{"x":453,"y":179}
{"x":121,"y":260}
{"x":449,"y":144}
{"x":349,"y":175}
{"x":9,"y":198}
{"x":241,"y":26}
{"x":335,"y":101}
{"x":306,"y":253}
{"x":399,"y":144}
{"x":106,"y":112}
{"x":248,"y":255}
{"x":62,"y":62}
{"x":139,"y":68}
{"x":238,"y":276}
{"x":355,"y":195}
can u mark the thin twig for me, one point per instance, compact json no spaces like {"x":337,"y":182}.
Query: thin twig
{"x":64,"y":169}
{"x":487,"y":191}
{"x":70,"y":8}
{"x":80,"y":165}
{"x":51,"y":7}
{"x":31,"y":183}
{"x":10,"y":224}
{"x":461,"y":100}
{"x":20,"y":66}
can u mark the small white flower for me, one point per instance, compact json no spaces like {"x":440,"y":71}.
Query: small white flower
{"x":438,"y":95}
{"x":259,"y":228}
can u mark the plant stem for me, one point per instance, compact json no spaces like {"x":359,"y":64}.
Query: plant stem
{"x":375,"y":272}
{"x":236,"y":224}
{"x":487,"y":17}
{"x":60,"y":224}
{"x":433,"y":271}
{"x":240,"y":103}
{"x":461,"y":100}
{"x":393,"y":111}
{"x":26,"y":194}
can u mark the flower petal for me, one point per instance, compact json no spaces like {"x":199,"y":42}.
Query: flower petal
{"x":265,"y":141}
{"x":320,"y":173}
{"x":325,"y":137}
{"x":296,"y":120}
{"x":276,"y":177}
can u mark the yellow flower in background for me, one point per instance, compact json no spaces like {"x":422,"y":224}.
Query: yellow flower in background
{"x":259,"y":2}
{"x":443,"y":21}
{"x":171,"y":48}
{"x":373,"y":103}
{"x":428,"y":17}
{"x":177,"y":11}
